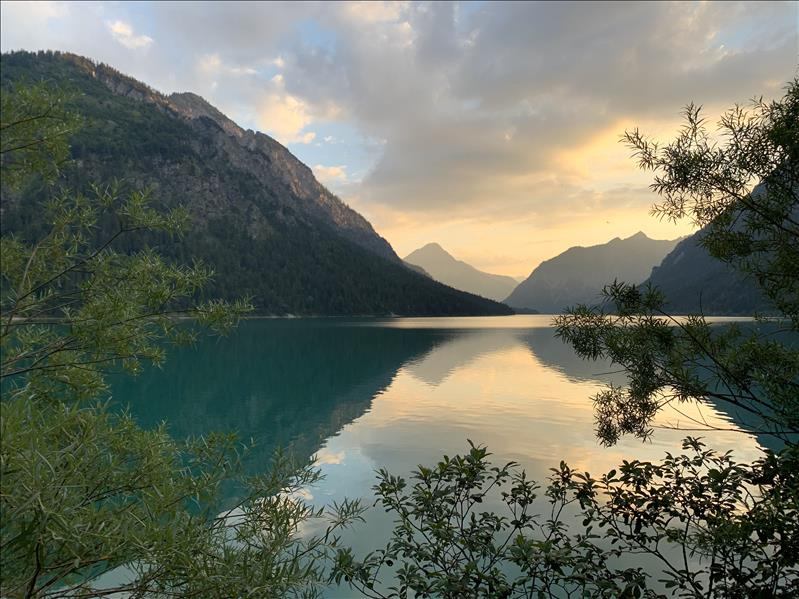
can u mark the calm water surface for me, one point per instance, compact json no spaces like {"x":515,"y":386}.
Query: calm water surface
{"x":372,"y":393}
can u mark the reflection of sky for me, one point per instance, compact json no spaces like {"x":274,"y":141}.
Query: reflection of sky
{"x":506,"y":399}
{"x":493,"y":387}
{"x":513,"y":387}
{"x":366,"y":394}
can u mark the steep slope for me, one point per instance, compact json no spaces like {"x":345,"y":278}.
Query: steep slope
{"x":445,"y":268}
{"x":693,"y":281}
{"x":258,"y":215}
{"x":274,"y":165}
{"x":416,"y":268}
{"x":577,"y":275}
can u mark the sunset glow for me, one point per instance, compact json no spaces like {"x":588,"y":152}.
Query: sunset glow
{"x":491,"y":128}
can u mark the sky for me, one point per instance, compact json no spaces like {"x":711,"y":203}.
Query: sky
{"x":491,"y":128}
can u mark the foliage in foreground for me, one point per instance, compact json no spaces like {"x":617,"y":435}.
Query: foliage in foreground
{"x":84,"y":490}
{"x":715,"y":528}
{"x":712,"y":527}
{"x":87,"y":492}
{"x":754,"y":374}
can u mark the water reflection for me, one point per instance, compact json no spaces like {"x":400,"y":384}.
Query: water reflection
{"x":288,"y":383}
{"x":369,"y":394}
{"x":517,"y":389}
{"x":396,"y":393}
{"x":459,"y":351}
{"x":553,"y":353}
{"x":498,"y":387}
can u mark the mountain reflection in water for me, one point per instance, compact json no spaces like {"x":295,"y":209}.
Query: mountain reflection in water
{"x":365,"y":394}
{"x":396,"y":393}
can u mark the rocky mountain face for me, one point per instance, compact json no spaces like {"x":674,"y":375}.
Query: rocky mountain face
{"x":578,"y":275}
{"x":258,"y":216}
{"x":458,"y":274}
{"x":270,"y":162}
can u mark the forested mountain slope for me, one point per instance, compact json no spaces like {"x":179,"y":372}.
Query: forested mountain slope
{"x":694,"y":282}
{"x":258,"y":215}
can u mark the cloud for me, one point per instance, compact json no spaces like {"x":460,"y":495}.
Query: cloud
{"x":326,"y":456}
{"x":123,"y":33}
{"x":516,"y":108}
{"x":27,"y":25}
{"x":212,"y":64}
{"x":243,"y":31}
{"x":374,"y":11}
{"x":209,"y":63}
{"x":306,"y":138}
{"x":330,"y":174}
{"x":488,"y":114}
{"x":23,"y":14}
{"x":42,"y":9}
{"x":284,"y":116}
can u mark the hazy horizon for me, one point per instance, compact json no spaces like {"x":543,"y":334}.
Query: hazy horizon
{"x":489,"y":128}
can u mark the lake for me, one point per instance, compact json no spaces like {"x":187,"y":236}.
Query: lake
{"x":364,"y":394}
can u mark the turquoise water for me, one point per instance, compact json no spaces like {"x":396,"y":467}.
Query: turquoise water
{"x":369,"y":393}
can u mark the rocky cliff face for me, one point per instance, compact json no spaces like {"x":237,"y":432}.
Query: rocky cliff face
{"x":259,"y":218}
{"x":269,"y":161}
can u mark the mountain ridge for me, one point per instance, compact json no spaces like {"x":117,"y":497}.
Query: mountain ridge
{"x":444,"y":267}
{"x":577,"y":275}
{"x":258,"y":216}
{"x":303,"y":183}
{"x":694,"y":282}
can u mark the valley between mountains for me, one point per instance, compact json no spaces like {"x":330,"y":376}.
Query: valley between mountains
{"x":273,"y":233}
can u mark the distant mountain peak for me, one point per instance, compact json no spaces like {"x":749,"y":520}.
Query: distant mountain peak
{"x":447,"y":269}
{"x":639,"y":235}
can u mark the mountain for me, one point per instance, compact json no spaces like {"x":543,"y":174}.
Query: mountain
{"x":693,"y":282}
{"x":418,"y":269}
{"x":258,"y":216}
{"x":578,"y":275}
{"x":455,"y":273}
